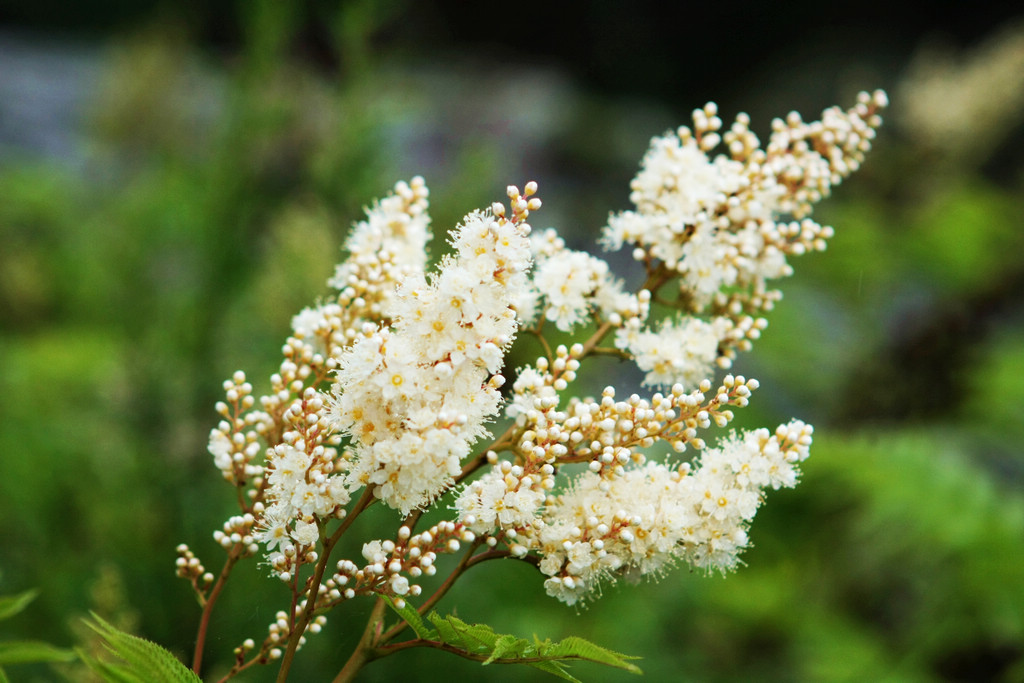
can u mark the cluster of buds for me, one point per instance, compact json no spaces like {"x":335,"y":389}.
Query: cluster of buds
{"x":394,"y":566}
{"x":188,"y":567}
{"x":281,"y":629}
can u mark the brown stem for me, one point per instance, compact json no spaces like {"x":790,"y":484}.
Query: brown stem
{"x":543,"y":342}
{"x":211,"y":599}
{"x":605,"y":351}
{"x":299,"y":627}
{"x":595,"y":339}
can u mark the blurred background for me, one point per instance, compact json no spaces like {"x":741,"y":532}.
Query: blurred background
{"x":175,"y":183}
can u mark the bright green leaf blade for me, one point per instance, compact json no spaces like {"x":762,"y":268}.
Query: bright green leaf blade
{"x":3,"y":677}
{"x":577,"y":647}
{"x":12,"y":604}
{"x":445,"y":630}
{"x":25,"y":651}
{"x":144,"y":658}
{"x":555,"y":669}
{"x":505,"y":647}
{"x":475,"y":637}
{"x":413,"y":618}
{"x":480,"y":640}
{"x":108,"y":672}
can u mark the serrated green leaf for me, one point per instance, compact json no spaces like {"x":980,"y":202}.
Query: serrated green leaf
{"x":145,"y":659}
{"x":505,"y":647}
{"x":445,"y":630}
{"x":413,"y":618}
{"x":24,"y":651}
{"x":108,"y":672}
{"x":477,"y":640}
{"x":12,"y":604}
{"x":478,"y":637}
{"x":574,"y":646}
{"x":555,"y":669}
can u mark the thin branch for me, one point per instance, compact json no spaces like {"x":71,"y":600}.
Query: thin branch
{"x":299,"y":627}
{"x":502,"y":442}
{"x":211,"y":599}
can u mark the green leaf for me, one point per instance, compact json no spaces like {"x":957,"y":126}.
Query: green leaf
{"x":23,"y":651}
{"x":112,"y":673}
{"x":146,"y":661}
{"x":12,"y":604}
{"x":448,"y":634}
{"x":574,"y":646}
{"x":504,"y":647}
{"x":479,"y":642}
{"x":413,"y":618}
{"x":3,"y":677}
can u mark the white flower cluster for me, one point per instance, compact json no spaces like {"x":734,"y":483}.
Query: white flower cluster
{"x":415,"y":395}
{"x":651,"y":516}
{"x":302,"y":485}
{"x":715,"y":224}
{"x":624,"y":514}
{"x":680,"y":351}
{"x":302,"y":476}
{"x":573,"y":285}
{"x":384,"y":250}
{"x":387,"y":386}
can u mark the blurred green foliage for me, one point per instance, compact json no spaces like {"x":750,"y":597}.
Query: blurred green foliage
{"x":210,"y":210}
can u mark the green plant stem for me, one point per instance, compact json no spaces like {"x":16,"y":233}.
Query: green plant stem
{"x":366,"y":650}
{"x":299,"y":627}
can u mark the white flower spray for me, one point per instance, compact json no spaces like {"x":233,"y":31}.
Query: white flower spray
{"x":387,"y":388}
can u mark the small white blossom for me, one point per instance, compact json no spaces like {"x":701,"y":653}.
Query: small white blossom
{"x":683,"y":352}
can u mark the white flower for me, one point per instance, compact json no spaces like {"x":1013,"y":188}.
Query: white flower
{"x":274,"y":529}
{"x":683,"y":352}
{"x":568,"y":283}
{"x":221,"y":449}
{"x":399,"y":584}
{"x":492,"y":502}
{"x":391,"y":242}
{"x":305,"y":533}
{"x":373,"y":551}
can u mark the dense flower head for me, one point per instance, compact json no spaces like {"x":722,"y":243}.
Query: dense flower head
{"x":388,"y":385}
{"x":416,"y":394}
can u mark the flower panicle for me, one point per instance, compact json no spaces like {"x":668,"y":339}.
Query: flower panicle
{"x":389,"y":385}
